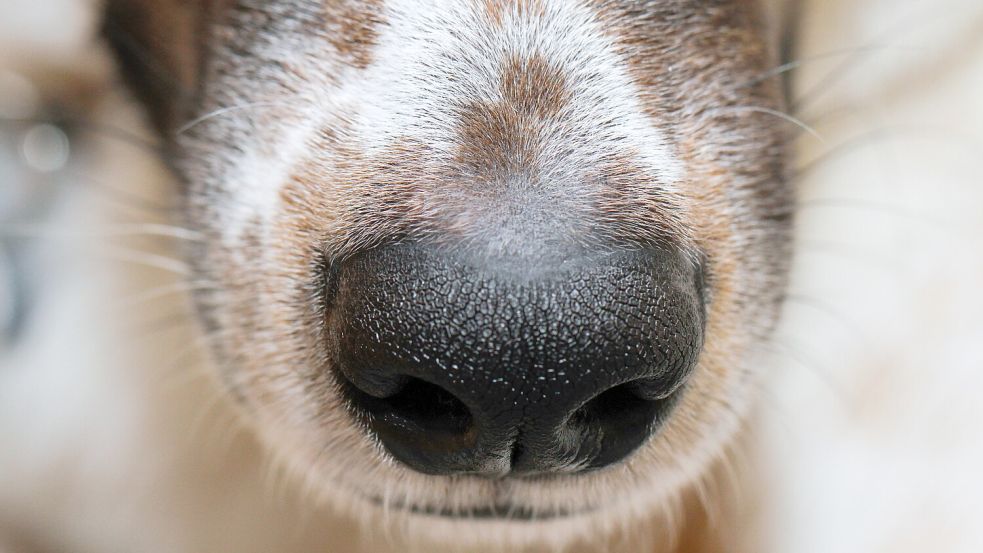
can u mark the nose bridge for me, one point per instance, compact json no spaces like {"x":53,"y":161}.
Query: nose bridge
{"x":523,"y":346}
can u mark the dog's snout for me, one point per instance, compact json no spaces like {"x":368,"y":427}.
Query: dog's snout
{"x":461,"y":364}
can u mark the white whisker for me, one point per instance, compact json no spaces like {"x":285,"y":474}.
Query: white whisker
{"x":112,"y":231}
{"x":796,"y":64}
{"x":153,"y":261}
{"x":780,"y":114}
{"x":164,"y":291}
{"x":224,"y":111}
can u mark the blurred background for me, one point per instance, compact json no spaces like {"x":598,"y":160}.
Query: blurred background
{"x":874,"y":429}
{"x":869,"y":427}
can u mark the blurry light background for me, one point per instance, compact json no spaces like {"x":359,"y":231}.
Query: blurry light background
{"x":875,"y":434}
{"x":870,"y":426}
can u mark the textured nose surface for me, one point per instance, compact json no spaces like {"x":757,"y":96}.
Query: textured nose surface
{"x":462,"y":365}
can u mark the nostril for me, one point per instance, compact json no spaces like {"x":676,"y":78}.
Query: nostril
{"x":615,"y":405}
{"x":622,"y":417}
{"x":420,"y":424}
{"x":417,"y":403}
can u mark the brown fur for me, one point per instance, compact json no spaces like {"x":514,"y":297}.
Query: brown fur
{"x":497,"y":9}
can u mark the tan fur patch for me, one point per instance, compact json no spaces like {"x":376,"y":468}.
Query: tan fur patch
{"x":352,"y":29}
{"x":496,"y":9}
{"x":499,"y":139}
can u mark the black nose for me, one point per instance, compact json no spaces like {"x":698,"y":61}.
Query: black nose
{"x":464,"y":365}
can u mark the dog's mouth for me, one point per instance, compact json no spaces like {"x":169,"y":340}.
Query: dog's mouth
{"x":505,"y":511}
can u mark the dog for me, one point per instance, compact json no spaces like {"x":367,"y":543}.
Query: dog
{"x":465,"y":276}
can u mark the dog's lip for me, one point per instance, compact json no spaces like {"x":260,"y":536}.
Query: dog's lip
{"x":501,"y":511}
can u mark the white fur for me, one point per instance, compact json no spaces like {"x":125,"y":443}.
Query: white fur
{"x":432,"y":56}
